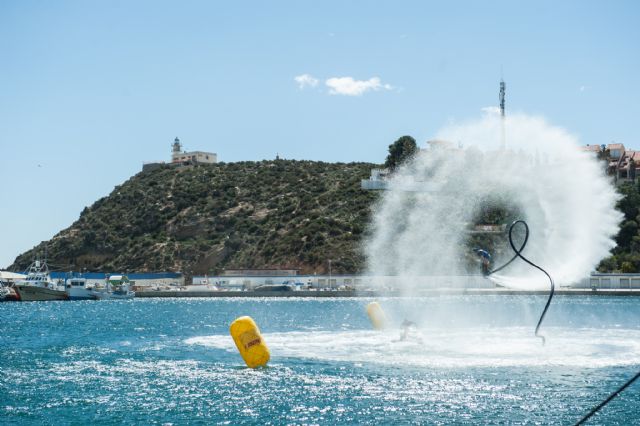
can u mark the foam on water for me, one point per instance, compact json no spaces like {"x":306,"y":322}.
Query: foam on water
{"x":421,"y":223}
{"x":172,"y":361}
{"x":499,"y":347}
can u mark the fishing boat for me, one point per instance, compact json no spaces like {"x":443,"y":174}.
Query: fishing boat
{"x":38,"y":285}
{"x":117,"y":287}
{"x":77,"y":289}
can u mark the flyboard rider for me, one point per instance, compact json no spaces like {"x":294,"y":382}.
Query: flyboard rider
{"x":485,"y":261}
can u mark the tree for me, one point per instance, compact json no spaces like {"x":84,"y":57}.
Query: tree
{"x":400,"y":151}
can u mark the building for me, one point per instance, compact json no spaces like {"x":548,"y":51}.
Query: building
{"x":609,"y":281}
{"x":141,"y":281}
{"x":343,"y":282}
{"x":622,"y":164}
{"x":260,"y":272}
{"x":379,"y":179}
{"x":8,"y":277}
{"x":195,"y":157}
{"x":183,"y":158}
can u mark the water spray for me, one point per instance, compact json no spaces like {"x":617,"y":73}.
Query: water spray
{"x":518,"y":254}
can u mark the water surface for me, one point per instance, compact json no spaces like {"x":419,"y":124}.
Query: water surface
{"x":471,"y":359}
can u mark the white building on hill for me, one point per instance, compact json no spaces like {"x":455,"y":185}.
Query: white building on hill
{"x":183,"y":158}
{"x":194,"y":157}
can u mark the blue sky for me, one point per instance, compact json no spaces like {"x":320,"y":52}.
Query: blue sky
{"x":91,"y":90}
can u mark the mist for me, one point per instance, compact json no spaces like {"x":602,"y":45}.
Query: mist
{"x":425,"y":223}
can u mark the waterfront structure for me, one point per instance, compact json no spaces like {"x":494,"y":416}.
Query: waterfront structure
{"x":8,"y":277}
{"x":140,"y":281}
{"x":260,"y":272}
{"x":342,"y":282}
{"x":594,"y":281}
{"x":610,"y":281}
{"x":183,"y":158}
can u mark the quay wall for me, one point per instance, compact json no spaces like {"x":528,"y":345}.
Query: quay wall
{"x":369,"y":293}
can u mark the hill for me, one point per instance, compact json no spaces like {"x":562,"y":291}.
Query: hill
{"x":271,"y":214}
{"x":206,"y":218}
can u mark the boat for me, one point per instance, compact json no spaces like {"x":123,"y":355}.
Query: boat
{"x":7,"y":280}
{"x":8,"y":293}
{"x":117,"y":287}
{"x":38,"y":285}
{"x":77,"y":289}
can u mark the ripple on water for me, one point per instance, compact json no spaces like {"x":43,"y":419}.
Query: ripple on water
{"x":182,"y":367}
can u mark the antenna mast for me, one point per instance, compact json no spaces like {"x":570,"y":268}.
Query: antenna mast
{"x":503,"y":89}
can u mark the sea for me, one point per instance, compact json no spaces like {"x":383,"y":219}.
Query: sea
{"x":469,"y":359}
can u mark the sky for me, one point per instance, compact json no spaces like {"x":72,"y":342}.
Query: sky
{"x":89,"y":91}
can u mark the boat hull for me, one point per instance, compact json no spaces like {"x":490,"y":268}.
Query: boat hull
{"x":29,"y":293}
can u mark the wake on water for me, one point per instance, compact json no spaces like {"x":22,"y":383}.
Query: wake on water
{"x":463,"y":348}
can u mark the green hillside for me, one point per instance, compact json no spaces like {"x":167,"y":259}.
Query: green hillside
{"x":205,"y":218}
{"x":270,"y":214}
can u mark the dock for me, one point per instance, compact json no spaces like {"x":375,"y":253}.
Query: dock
{"x":392,"y":293}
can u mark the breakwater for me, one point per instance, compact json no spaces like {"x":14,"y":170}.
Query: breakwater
{"x":371,"y":293}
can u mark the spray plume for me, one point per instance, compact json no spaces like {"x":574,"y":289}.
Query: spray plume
{"x":425,"y":222}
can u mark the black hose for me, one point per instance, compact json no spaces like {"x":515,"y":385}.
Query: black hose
{"x":606,"y":401}
{"x":518,"y":253}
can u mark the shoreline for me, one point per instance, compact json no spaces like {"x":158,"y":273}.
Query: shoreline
{"x":370,"y":293}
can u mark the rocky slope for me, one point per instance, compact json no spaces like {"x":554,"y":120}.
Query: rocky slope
{"x":205,"y":218}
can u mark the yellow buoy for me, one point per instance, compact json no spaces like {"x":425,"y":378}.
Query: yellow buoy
{"x":376,"y":316}
{"x":249,"y":341}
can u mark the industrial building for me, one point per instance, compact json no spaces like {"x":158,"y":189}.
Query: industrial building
{"x":140,"y":281}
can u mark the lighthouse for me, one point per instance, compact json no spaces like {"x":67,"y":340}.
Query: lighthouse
{"x":177,"y":148}
{"x":180,"y":157}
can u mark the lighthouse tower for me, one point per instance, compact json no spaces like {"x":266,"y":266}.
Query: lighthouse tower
{"x":177,"y":149}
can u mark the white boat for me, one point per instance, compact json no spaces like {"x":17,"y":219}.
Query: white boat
{"x":77,"y":289}
{"x":38,"y":285}
{"x":117,"y":287}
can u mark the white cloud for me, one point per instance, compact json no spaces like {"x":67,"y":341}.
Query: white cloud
{"x":349,"y":87}
{"x":306,"y":80}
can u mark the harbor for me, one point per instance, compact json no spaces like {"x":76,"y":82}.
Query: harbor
{"x":319,"y":213}
{"x":39,"y":284}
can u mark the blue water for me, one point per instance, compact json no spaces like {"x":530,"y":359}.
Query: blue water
{"x":471,"y":360}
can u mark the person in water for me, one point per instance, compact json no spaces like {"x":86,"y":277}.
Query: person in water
{"x":406,"y":325}
{"x":485,"y":260}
